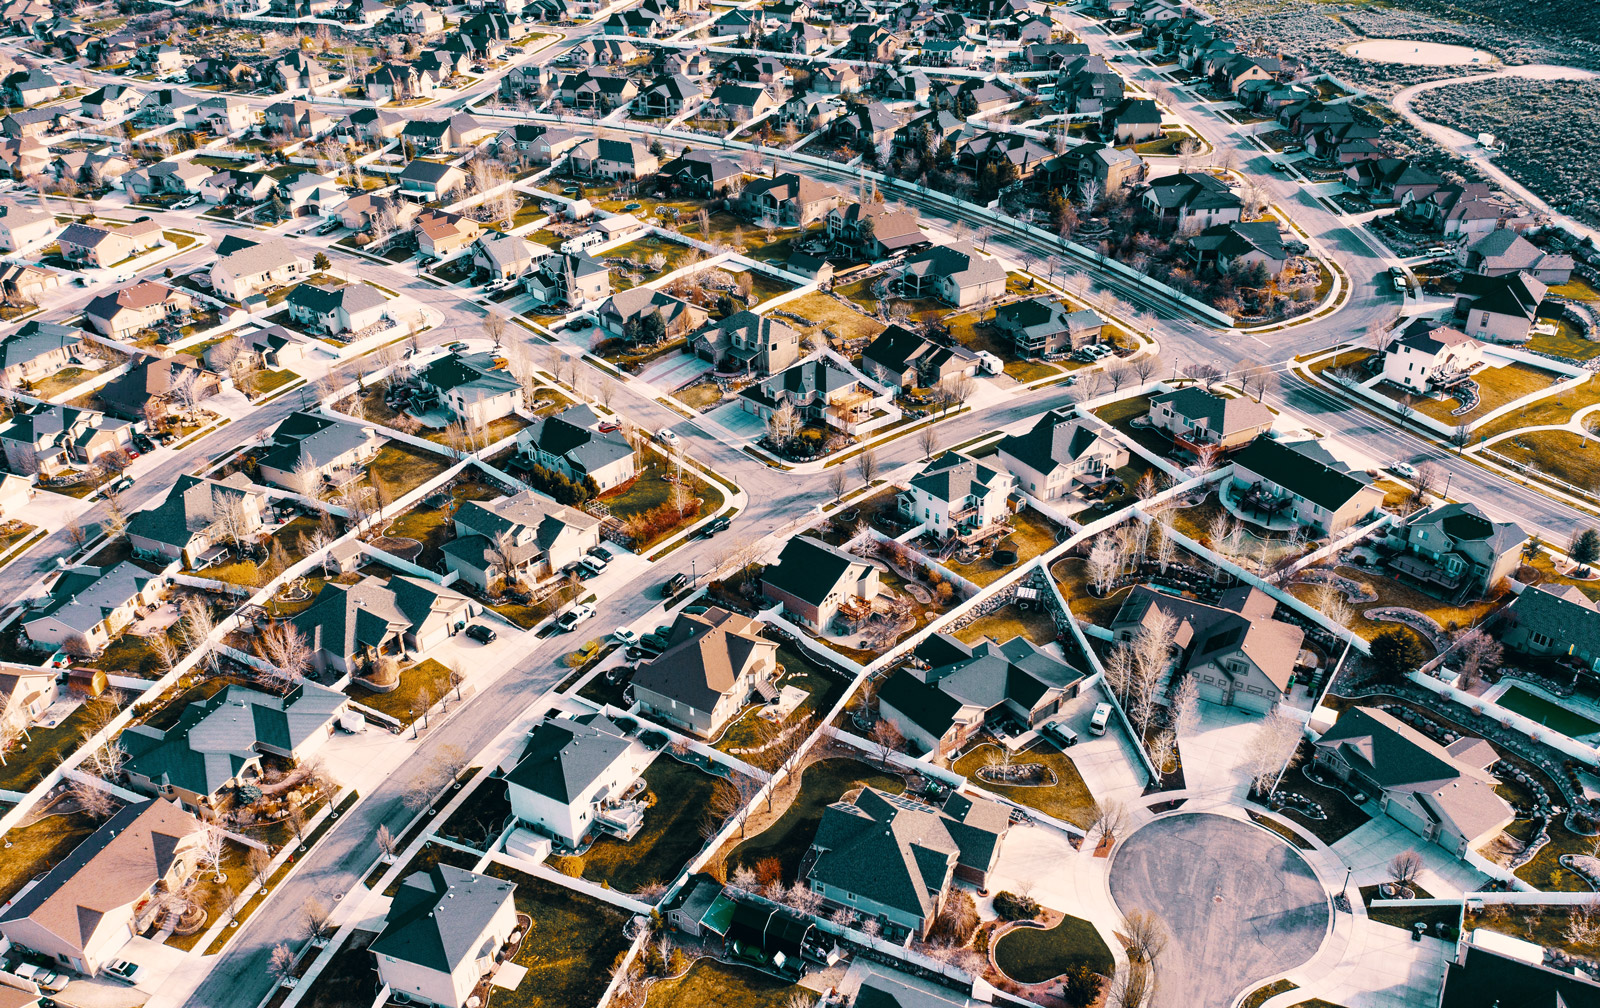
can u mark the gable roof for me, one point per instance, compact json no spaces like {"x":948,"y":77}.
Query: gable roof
{"x":809,"y":569}
{"x":565,"y":756}
{"x":1224,"y":414}
{"x":985,"y":675}
{"x":953,"y":477}
{"x":438,"y":917}
{"x":1055,"y":439}
{"x":1241,"y":622}
{"x":705,"y":655}
{"x":1299,"y":473}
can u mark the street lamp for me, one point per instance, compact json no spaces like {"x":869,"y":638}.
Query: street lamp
{"x":1346,"y":887}
{"x":411,"y":714}
{"x":694,"y":575}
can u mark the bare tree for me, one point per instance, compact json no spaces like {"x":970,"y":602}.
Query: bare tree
{"x":1152,"y":646}
{"x":928,"y":440}
{"x":281,"y":962}
{"x":887,"y":739}
{"x":1104,"y":563}
{"x":315,"y":913}
{"x":285,"y":646}
{"x":91,"y":798}
{"x":1404,"y":868}
{"x":1109,"y":819}
{"x":730,"y":799}
{"x":1270,"y":750}
{"x":1429,"y":479}
{"x":1163,"y":748}
{"x":837,"y":479}
{"x":494,"y":327}
{"x":213,"y":849}
{"x":385,"y":841}
{"x":1478,"y":649}
{"x":260,"y":864}
{"x":1186,"y":706}
{"x":867,"y":466}
{"x":198,"y":626}
{"x":1144,"y":935}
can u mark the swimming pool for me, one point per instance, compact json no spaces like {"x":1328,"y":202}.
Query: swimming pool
{"x":1547,"y":712}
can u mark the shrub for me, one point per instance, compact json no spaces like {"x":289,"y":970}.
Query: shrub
{"x":1013,"y":907}
{"x":957,"y":921}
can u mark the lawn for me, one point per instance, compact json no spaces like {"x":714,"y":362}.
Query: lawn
{"x":1545,"y":872}
{"x":1068,"y":799}
{"x":1405,"y":917}
{"x":1008,"y":622}
{"x":1120,"y":415}
{"x":403,"y":468}
{"x":1497,"y":387}
{"x":1034,"y":955}
{"x":641,"y":249}
{"x":1031,"y":534}
{"x":421,"y":686}
{"x":829,"y":313}
{"x":34,"y":757}
{"x":1261,"y":995}
{"x":569,"y":953}
{"x":1343,"y":359}
{"x":1343,"y":816}
{"x":679,"y":794}
{"x":432,"y":527}
{"x":1546,"y":925}
{"x":1566,"y":341}
{"x":68,"y":378}
{"x":349,"y":978}
{"x":1556,"y":409}
{"x":1547,"y":575}
{"x":823,"y":689}
{"x":481,"y":816}
{"x":713,"y":984}
{"x":821,"y":784}
{"x":1393,"y":593}
{"x":1073,"y":580}
{"x":37,"y":848}
{"x":217,"y":897}
{"x":1566,"y":455}
{"x":649,"y":490}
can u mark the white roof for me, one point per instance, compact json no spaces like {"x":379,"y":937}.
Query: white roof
{"x":1515,"y":948}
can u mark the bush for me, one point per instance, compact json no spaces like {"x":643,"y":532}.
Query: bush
{"x":957,"y":921}
{"x":1398,"y":652}
{"x":1013,"y":907}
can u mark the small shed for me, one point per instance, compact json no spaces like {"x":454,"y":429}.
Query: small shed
{"x":86,"y":681}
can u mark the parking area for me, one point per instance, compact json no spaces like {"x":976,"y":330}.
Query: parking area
{"x":671,"y":371}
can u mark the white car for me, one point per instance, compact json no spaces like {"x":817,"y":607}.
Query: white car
{"x":186,"y":203}
{"x":624,"y":636}
{"x":667,"y":436}
{"x":1405,"y":469}
{"x":572,"y":617}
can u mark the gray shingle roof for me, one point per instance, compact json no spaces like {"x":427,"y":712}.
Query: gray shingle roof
{"x":438,"y":914}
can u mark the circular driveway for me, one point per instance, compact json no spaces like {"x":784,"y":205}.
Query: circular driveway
{"x":1240,"y":903}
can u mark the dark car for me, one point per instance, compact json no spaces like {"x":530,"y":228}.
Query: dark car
{"x":716,"y":525}
{"x":675,"y":584}
{"x":330,"y":227}
{"x":481,"y":633}
{"x":143,"y":443}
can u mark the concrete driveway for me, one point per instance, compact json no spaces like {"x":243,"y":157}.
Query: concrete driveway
{"x":1241,"y":905}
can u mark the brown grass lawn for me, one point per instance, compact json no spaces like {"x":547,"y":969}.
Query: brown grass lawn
{"x":63,"y":380}
{"x":432,"y":526}
{"x":403,"y":468}
{"x":569,"y":955}
{"x":1070,"y":576}
{"x":641,"y":249}
{"x":420,"y":688}
{"x":1556,"y":409}
{"x":1497,"y":387}
{"x":1576,"y":289}
{"x":1068,"y":799}
{"x":967,"y":331}
{"x":1393,"y":593}
{"x":39,"y":847}
{"x":1339,"y":360}
{"x":828,"y":313}
{"x":1547,"y":575}
{"x":1566,"y":342}
{"x":1032,"y":534}
{"x":1566,"y":455}
{"x":713,"y":984}
{"x":1007,"y":622}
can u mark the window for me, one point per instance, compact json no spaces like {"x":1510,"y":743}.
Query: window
{"x":1541,"y":640}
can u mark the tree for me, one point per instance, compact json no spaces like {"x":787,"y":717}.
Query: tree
{"x":198,"y":626}
{"x":867,"y":466}
{"x":1104,"y":563}
{"x":285,"y":646}
{"x":213,"y":849}
{"x":1270,"y":749}
{"x":730,"y":800}
{"x":1109,"y":819}
{"x":281,"y":963}
{"x":1151,"y":646}
{"x":1429,"y":478}
{"x":1186,"y":706}
{"x":1397,"y":652}
{"x":1404,"y":868}
{"x":928,"y":440}
{"x":385,"y":841}
{"x":837,"y":478}
{"x":321,"y":262}
{"x":494,"y":327}
{"x":1132,"y":987}
{"x":783,"y":424}
{"x":1144,"y":935}
{"x":887,"y":738}
{"x":260,"y":864}
{"x":1080,"y":987}
{"x":315,"y":913}
{"x":92,"y":799}
{"x":1163,"y":748}
{"x":1585,"y":550}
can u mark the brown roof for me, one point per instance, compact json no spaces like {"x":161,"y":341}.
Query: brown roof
{"x":143,"y":294}
{"x":706,"y":655}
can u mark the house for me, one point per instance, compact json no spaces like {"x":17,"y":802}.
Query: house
{"x":738,"y":102}
{"x":1558,"y":621}
{"x":269,"y":348}
{"x":597,"y":89}
{"x":310,"y":451}
{"x":1059,"y":453}
{"x":787,"y":200}
{"x":27,"y":690}
{"x":89,"y":245}
{"x":175,"y":381}
{"x":744,"y":341}
{"x":1238,"y":653}
{"x":196,"y":513}
{"x":902,"y":359}
{"x":440,"y":233}
{"x":1460,"y":209}
{"x":537,"y":143}
{"x":524,"y":536}
{"x":647,"y":315}
{"x":28,"y":88}
{"x":114,"y":101}
{"x":307,"y":194}
{"x":365,"y":211}
{"x":225,"y":114}
{"x":571,"y":443}
{"x":701,"y":172}
{"x":837,"y":79}
{"x":822,"y":390}
{"x":1042,"y":326}
{"x":298,"y":70}
{"x":53,"y":438}
{"x":453,"y":134}
{"x":1111,"y":169}
{"x":88,"y":606}
{"x":420,"y":19}
{"x":572,"y":279}
{"x":955,"y":495}
{"x":949,"y":691}
{"x":1018,"y":155}
{"x":1245,"y":246}
{"x":351,"y":627}
{"x":612,"y":159}
{"x":430,"y":180}
{"x":444,"y":932}
{"x":955,"y":274}
{"x":144,"y":305}
{"x":38,"y":350}
{"x":1456,"y":549}
{"x":1273,"y":481}
{"x":1192,"y":201}
{"x":471,"y":388}
{"x":1490,"y":968}
{"x":397,"y":82}
{"x":166,"y":177}
{"x":873,"y":43}
{"x":1345,"y":143}
{"x":22,"y":226}
{"x":1502,"y":308}
{"x":35,"y":123}
{"x":1194,"y":417}
{"x":812,"y":581}
{"x":1391,"y":180}
{"x":572,"y":777}
{"x":218,"y":743}
{"x":892,"y":858}
{"x":256,"y":267}
{"x":1087,"y":87}
{"x":1427,"y":355}
{"x":235,"y":187}
{"x":874,"y":231}
{"x":504,"y":256}
{"x":24,"y":284}
{"x":1444,"y":794}
{"x":1503,"y":251}
{"x":82,"y":913}
{"x":715,"y":662}
{"x":665,"y":96}
{"x":865,"y":127}
{"x":352,"y":308}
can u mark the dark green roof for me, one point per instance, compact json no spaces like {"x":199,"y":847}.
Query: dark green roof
{"x":438,"y":916}
{"x":1294,"y":471}
{"x":808,"y":569}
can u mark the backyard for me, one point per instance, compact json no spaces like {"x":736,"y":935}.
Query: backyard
{"x":821,"y":784}
{"x":432,"y":527}
{"x":670,"y":836}
{"x":1067,"y":799}
{"x":1030,"y":955}
{"x":822,"y":689}
{"x":403,"y":468}
{"x":569,"y":958}
{"x":825,"y":312}
{"x":1497,"y":387}
{"x":651,"y":490}
{"x":29,"y":761}
{"x":1555,"y":409}
{"x":1120,"y":414}
{"x":1038,"y":626}
{"x":37,"y":848}
{"x":1392,"y":593}
{"x":1031,"y":534}
{"x":1071,"y":574}
{"x":713,"y":984}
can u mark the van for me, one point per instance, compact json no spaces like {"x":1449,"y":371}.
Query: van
{"x":1102,"y":717}
{"x":1059,"y":733}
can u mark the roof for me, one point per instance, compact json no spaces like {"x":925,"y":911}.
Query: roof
{"x":1223,"y":414}
{"x":438,"y":917}
{"x":1192,"y":191}
{"x":706,"y":655}
{"x":313,"y":439}
{"x":1514,"y":294}
{"x":1298,"y":473}
{"x":959,"y":261}
{"x":565,"y":756}
{"x":343,"y":619}
{"x":187,"y":510}
{"x":953,"y":478}
{"x":984,"y":675}
{"x":475,"y":371}
{"x":1428,"y":336}
{"x":352,"y":298}
{"x":1485,"y":978}
{"x":1055,"y":439}
{"x":35,"y":339}
{"x":84,"y":596}
{"x":570,"y":435}
{"x":810,"y":569}
{"x":1241,"y":622}
{"x":1564,"y":614}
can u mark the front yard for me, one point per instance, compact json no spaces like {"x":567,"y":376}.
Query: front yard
{"x":679,"y":795}
{"x":1033,"y":955}
{"x":421,"y":686}
{"x":1497,"y":387}
{"x":1566,"y":455}
{"x":634,"y":502}
{"x":1067,"y":799}
{"x":432,"y":527}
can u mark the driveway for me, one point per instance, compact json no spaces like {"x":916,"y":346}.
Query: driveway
{"x":1241,"y":905}
{"x":672,"y":371}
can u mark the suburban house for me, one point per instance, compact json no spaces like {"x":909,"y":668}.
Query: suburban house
{"x":97,"y":246}
{"x":1111,"y":169}
{"x":310,"y":451}
{"x":359,"y":213}
{"x":23,"y":283}
{"x":787,"y":200}
{"x":1225,"y":246}
{"x":1503,"y":251}
{"x":1194,"y":417}
{"x":83,"y":912}
{"x":1558,"y":621}
{"x":255,"y":267}
{"x":645,"y":314}
{"x":166,"y":382}
{"x":430,"y":180}
{"x":574,"y":778}
{"x":22,"y":226}
{"x":1502,"y":308}
{"x":573,"y":279}
{"x":955,"y":274}
{"x":218,"y":742}
{"x":352,"y":626}
{"x":949,"y":691}
{"x":892,"y":858}
{"x":38,"y":350}
{"x":1444,"y":794}
{"x":1389,"y":180}
{"x":272,"y":347}
{"x":470,"y":388}
{"x":196,"y":514}
{"x":744,"y":341}
{"x":444,"y":932}
{"x":874,"y":231}
{"x":88,"y":606}
{"x":901,"y":359}
{"x":1192,"y":201}
{"x":526,"y":535}
{"x":123,"y":314}
{"x":812,"y":581}
{"x":1427,"y":355}
{"x":28,"y":691}
{"x":715,"y":663}
{"x":114,"y":101}
{"x":1239,"y":655}
{"x":337,"y":311}
{"x":49,"y":439}
{"x":1132,"y":121}
{"x":612,"y":159}
{"x":957,"y":496}
{"x":1456,"y":549}
{"x":506,"y":257}
{"x":1059,"y":453}
{"x":1275,"y":482}
{"x":1043,"y":326}
{"x":441,"y":233}
{"x":822,"y":390}
{"x":702,"y":172}
{"x":571,"y":443}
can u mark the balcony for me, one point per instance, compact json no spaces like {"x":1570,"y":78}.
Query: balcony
{"x":621,"y":819}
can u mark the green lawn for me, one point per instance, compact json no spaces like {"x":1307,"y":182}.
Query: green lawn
{"x":39,"y":847}
{"x":713,"y":984}
{"x":821,"y":784}
{"x":1120,"y":414}
{"x":649,"y":490}
{"x":570,"y":948}
{"x":403,"y":468}
{"x":669,"y":837}
{"x":1035,"y":955}
{"x":1069,"y":799}
{"x":641,"y":249}
{"x":1556,"y":409}
{"x":407,"y":702}
{"x":1497,"y":387}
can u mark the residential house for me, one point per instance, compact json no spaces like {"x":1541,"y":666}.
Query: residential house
{"x":224,"y":115}
{"x":20,"y":158}
{"x":813,"y":582}
{"x":1345,"y":143}
{"x":957,"y":496}
{"x":1238,"y":654}
{"x":308,"y":194}
{"x":572,"y":279}
{"x":1193,"y":417}
{"x":714,"y":664}
{"x":901,"y":359}
{"x":955,"y":274}
{"x":236,"y":187}
{"x":950,"y":691}
{"x":359,"y":213}
{"x":526,"y":537}
{"x":124,"y":313}
{"x":88,"y":607}
{"x":310,"y":452}
{"x":1442,"y":793}
{"x":174,"y":382}
{"x":298,"y":70}
{"x":444,"y":932}
{"x":534,"y":143}
{"x":1110,"y":169}
{"x":1428,"y":355}
{"x":892,"y":859}
{"x":1492,"y":968}
{"x":23,"y":284}
{"x":166,"y":177}
{"x":873,"y":43}
{"x":612,"y":159}
{"x":597,"y":89}
{"x":454,"y":134}
{"x":1236,"y":244}
{"x":1042,"y":326}
{"x":571,"y":781}
{"x":256,"y":267}
{"x":787,"y":200}
{"x":159,"y":59}
{"x":822,"y":390}
{"x":665,"y":96}
{"x":1018,"y":155}
{"x":270,"y":348}
{"x":1502,"y":252}
{"x":420,"y":19}
{"x":22,"y":226}
{"x":865,"y":127}
{"x":38,"y":350}
{"x":297,"y":119}
{"x":36,"y":123}
{"x":90,"y":245}
{"x":164,"y":105}
{"x":397,"y":82}
{"x":1555,"y":621}
{"x":571,"y":443}
{"x":1192,"y":201}
{"x":471,"y":388}
{"x":28,"y":690}
{"x":506,"y":257}
{"x":218,"y":743}
{"x":440,"y":233}
{"x":837,"y":79}
{"x":81,"y":914}
{"x":431,"y":180}
{"x":349,"y":627}
{"x":338,"y":311}
{"x":738,"y":102}
{"x":702,"y":172}
{"x":1391,"y":180}
{"x":759,"y":345}
{"x":1085,"y":85}
{"x":28,"y":88}
{"x":1456,"y":549}
{"x":1502,"y":308}
{"x":969,"y":96}
{"x":1276,"y":482}
{"x":50,"y":439}
{"x":647,"y":315}
{"x":874,"y":231}
{"x":1455,"y":210}
{"x":1059,"y":453}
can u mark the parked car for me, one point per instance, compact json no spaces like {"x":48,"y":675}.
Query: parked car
{"x":44,"y":978}
{"x":715,"y":525}
{"x":607,"y":426}
{"x":481,"y":633}
{"x":1102,"y":718}
{"x":330,"y":227}
{"x":675,"y":584}
{"x":667,"y":436}
{"x":1059,"y":733}
{"x":599,"y":557}
{"x":143,"y":443}
{"x":1403,"y":469}
{"x":622,"y":635}
{"x":126,"y":971}
{"x":654,"y":643}
{"x":186,"y":203}
{"x":457,"y":346}
{"x":1282,"y":166}
{"x":570,"y":619}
